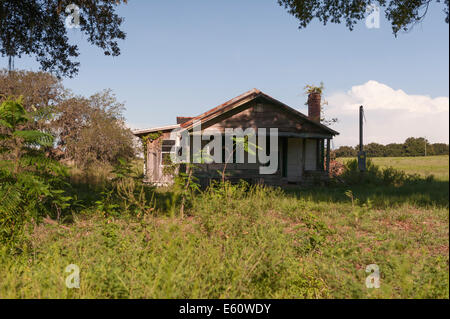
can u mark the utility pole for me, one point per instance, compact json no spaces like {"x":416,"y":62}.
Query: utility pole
{"x":361,"y":153}
{"x":425,"y":146}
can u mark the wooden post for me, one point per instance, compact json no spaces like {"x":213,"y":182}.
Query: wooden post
{"x":328,"y":157}
{"x":145,"y":153}
{"x":318,"y":154}
{"x":284,"y":143}
{"x":321,"y":158}
{"x":323,"y":154}
{"x":303,"y":156}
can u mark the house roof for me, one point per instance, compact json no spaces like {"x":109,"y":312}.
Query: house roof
{"x":156,"y":129}
{"x":232,"y":104}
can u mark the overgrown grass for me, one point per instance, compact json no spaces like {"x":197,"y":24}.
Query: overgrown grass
{"x":238,"y":241}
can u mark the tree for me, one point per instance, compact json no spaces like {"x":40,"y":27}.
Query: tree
{"x":37,"y":28}
{"x":394,"y":149}
{"x":402,"y":14}
{"x":375,"y":150}
{"x":345,"y":151}
{"x":41,"y":93}
{"x":92,"y":130}
{"x":415,"y":146}
{"x":439,"y":149}
{"x":85,"y":129}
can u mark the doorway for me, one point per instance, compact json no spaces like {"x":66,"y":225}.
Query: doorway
{"x":294,"y":159}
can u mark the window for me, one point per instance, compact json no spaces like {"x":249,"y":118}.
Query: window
{"x":167,"y":146}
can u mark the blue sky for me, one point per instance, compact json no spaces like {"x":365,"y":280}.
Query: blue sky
{"x":182,"y":57}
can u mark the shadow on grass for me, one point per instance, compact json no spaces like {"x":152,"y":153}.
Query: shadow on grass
{"x":87,"y":194}
{"x":386,"y":188}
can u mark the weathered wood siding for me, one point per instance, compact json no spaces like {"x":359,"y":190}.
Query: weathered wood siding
{"x":311,"y":155}
{"x":261,"y":115}
{"x":255,"y":114}
{"x":294,"y":159}
{"x":154,"y":169}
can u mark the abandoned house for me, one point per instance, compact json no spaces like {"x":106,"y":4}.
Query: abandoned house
{"x":303,"y":150}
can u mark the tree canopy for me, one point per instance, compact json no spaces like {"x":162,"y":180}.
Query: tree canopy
{"x":87,"y":130}
{"x":37,"y":28}
{"x":92,"y":130}
{"x":402,"y":14}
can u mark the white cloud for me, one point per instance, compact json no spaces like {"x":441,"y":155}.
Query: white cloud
{"x":391,"y":115}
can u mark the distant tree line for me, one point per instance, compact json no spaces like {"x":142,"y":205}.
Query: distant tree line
{"x":411,"y":147}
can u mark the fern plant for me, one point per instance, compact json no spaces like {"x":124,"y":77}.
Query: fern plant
{"x":30,"y":182}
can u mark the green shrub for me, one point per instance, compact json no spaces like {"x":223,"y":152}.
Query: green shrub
{"x":31,"y":184}
{"x":374,"y":175}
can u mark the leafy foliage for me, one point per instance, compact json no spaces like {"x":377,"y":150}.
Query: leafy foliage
{"x":41,"y":91}
{"x":93,"y":130}
{"x":241,"y":241}
{"x":37,"y":28}
{"x":402,"y":14}
{"x":375,"y":175}
{"x":125,"y":193}
{"x":87,"y":130}
{"x":309,"y":88}
{"x":30,"y":182}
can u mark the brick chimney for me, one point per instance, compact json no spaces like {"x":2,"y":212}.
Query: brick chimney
{"x":314,"y":106}
{"x":183,"y":119}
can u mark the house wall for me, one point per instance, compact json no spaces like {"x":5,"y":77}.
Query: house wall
{"x":255,"y":114}
{"x":154,"y":171}
{"x":261,"y":114}
{"x":301,"y":161}
{"x":235,"y":171}
{"x":294,"y":160}
{"x":311,"y":154}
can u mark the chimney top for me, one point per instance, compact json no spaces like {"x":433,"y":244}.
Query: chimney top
{"x":314,"y":101}
{"x":183,"y":119}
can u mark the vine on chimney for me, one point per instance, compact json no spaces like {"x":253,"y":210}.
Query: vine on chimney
{"x":311,"y":88}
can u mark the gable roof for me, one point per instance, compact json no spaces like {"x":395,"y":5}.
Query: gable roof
{"x":230,"y":105}
{"x":243,"y":99}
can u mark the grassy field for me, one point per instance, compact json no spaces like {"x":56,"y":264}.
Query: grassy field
{"x":429,"y":165}
{"x":241,"y":242}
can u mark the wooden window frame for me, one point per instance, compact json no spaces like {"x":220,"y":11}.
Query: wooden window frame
{"x":163,"y":152}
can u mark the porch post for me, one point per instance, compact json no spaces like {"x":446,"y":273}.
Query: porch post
{"x":303,"y":156}
{"x":328,"y":157}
